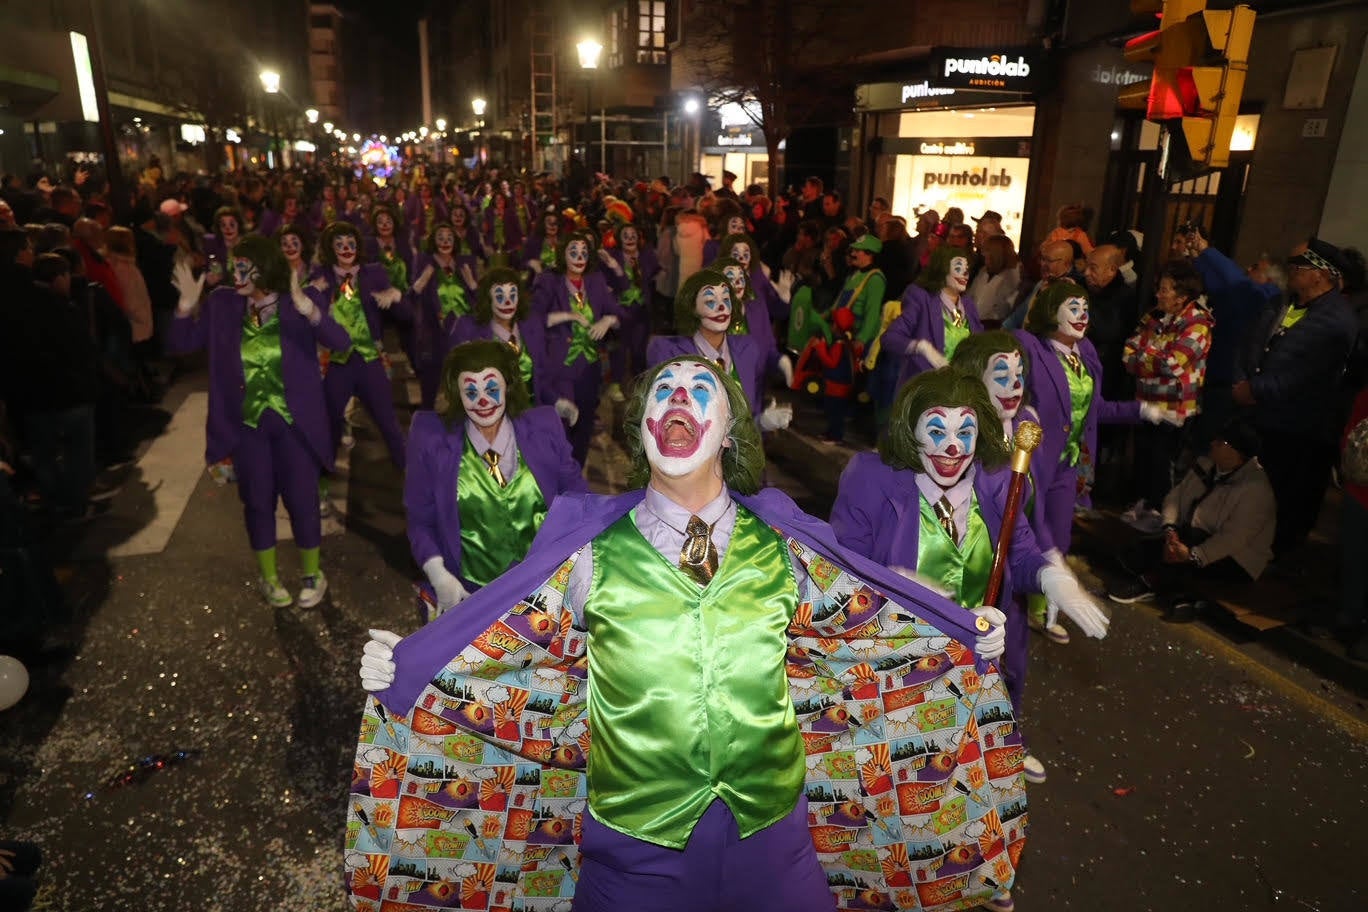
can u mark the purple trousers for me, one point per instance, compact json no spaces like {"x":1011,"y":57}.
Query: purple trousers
{"x":273,"y":460}
{"x":775,"y":870}
{"x":1061,"y":496}
{"x":628,"y":357}
{"x":586,"y":380}
{"x":1013,"y":661}
{"x":366,"y":380}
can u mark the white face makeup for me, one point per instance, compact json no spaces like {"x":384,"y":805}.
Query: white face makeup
{"x":737,"y":276}
{"x":504,"y":299}
{"x":1005,"y":378}
{"x":576,"y":257}
{"x":292,"y":247}
{"x":459,"y":216}
{"x":482,"y":395}
{"x":714,"y":308}
{"x":245,"y":276}
{"x":736,"y":225}
{"x":384,"y":225}
{"x":957,"y":279}
{"x":686,"y":419}
{"x":628,"y":237}
{"x":742,"y":254}
{"x":344,"y":248}
{"x":444,"y":241}
{"x":947,"y":437}
{"x":228,"y":229}
{"x":1072,"y":317}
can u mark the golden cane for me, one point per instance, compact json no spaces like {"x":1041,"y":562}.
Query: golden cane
{"x":1027,"y":438}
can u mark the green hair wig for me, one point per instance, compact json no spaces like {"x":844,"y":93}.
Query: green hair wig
{"x":267,"y":257}
{"x":582,"y":234}
{"x":728,"y":243}
{"x":743,"y":455}
{"x":473,"y":357}
{"x":484,"y":294}
{"x":973,"y":354}
{"x":932,"y":278}
{"x":721,"y":264}
{"x":687,"y":320}
{"x":1041,"y":319}
{"x":945,"y":388}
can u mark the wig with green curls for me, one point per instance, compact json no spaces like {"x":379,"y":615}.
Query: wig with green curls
{"x":721,"y":263}
{"x":725,"y":246}
{"x":484,"y":294}
{"x":582,"y":234}
{"x":473,"y":357}
{"x":743,"y":456}
{"x":973,"y":354}
{"x":932,"y":278}
{"x":430,"y":242}
{"x":1041,"y":319}
{"x":687,"y":320}
{"x":944,"y":388}
{"x":272,"y":267}
{"x":221,"y":211}
{"x":326,"y":256}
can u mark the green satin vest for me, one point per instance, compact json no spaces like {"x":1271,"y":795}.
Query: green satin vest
{"x":962,"y":569}
{"x":632,"y":296}
{"x":581,"y":346}
{"x":1080,"y":403}
{"x":688,"y":699}
{"x":395,"y":268}
{"x":451,"y":294}
{"x":954,"y":335}
{"x":548,"y":255}
{"x":497,"y":523}
{"x":524,"y":363}
{"x":265,"y":383}
{"x":739,"y":326}
{"x":351,"y":316}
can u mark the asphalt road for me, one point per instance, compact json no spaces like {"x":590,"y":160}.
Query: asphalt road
{"x":1183,"y":774}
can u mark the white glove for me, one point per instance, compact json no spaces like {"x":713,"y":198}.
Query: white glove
{"x":450,"y":592}
{"x":601,"y":326}
{"x":299,"y":298}
{"x":786,"y":368}
{"x":775,"y":417}
{"x":536,"y":266}
{"x":423,"y":279}
{"x":609,"y":260}
{"x":992,"y":644}
{"x":1063,"y":593}
{"x":568,"y":411}
{"x":928,"y":351}
{"x":557,"y":317}
{"x":320,"y":283}
{"x":189,"y":287}
{"x":1055,"y":557}
{"x":783,"y":286}
{"x":386,"y":298}
{"x":468,"y":275}
{"x":377,"y":660}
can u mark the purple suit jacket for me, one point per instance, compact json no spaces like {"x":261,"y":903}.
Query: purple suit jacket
{"x":532,"y":248}
{"x":416,"y":220}
{"x":533,"y":334}
{"x":922,"y":318}
{"x":877,"y":513}
{"x":513,"y":233}
{"x":1049,"y":389}
{"x":370,"y":279}
{"x":746,"y":357}
{"x":647,"y":262}
{"x":434,"y":468}
{"x":219,"y":329}
{"x":575,"y":520}
{"x":401,"y":248}
{"x":550,"y":295}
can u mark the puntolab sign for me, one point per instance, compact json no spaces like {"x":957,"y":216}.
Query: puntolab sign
{"x":992,"y":70}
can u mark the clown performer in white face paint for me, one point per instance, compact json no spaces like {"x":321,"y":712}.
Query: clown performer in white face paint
{"x":358,"y":295}
{"x":762,"y":305}
{"x":704,"y":304}
{"x":218,"y":247}
{"x":718,"y":647}
{"x":578,"y":308}
{"x":481,"y":473}
{"x":930,"y":506}
{"x":632,"y":273}
{"x":1065,"y":384}
{"x":502,"y":311}
{"x":266,"y":403}
{"x":442,"y":293}
{"x":937,"y":315}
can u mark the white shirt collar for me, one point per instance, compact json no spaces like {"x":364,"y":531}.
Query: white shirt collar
{"x":1064,"y":349}
{"x":711,"y":353}
{"x":958,"y":494}
{"x":677,"y":517}
{"x":505,"y":443}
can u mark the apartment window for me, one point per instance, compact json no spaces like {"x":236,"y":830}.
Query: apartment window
{"x":618,"y":26}
{"x":651,"y":31}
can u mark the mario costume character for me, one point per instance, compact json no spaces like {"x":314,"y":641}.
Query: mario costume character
{"x":838,"y":362}
{"x":687,"y":697}
{"x":266,"y":403}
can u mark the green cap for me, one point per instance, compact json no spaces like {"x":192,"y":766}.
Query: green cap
{"x":868,"y":242}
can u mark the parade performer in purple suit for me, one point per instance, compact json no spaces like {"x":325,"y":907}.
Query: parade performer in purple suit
{"x":441,"y":295}
{"x":326,"y":210}
{"x":424,"y":211}
{"x":266,"y":408}
{"x":929,"y":505}
{"x":540,"y":250}
{"x":633,"y":278}
{"x":482,"y":473}
{"x":578,"y":309}
{"x":358,"y":295}
{"x":937,"y":315}
{"x":386,"y":247}
{"x":704,"y":305}
{"x":218,"y":247}
{"x":763,"y":306}
{"x":503,"y":235}
{"x":292,"y":244}
{"x":687,"y":697}
{"x":502,"y":307}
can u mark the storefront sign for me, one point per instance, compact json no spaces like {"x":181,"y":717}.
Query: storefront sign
{"x":738,"y":139}
{"x":995,"y":146}
{"x":940,"y":148}
{"x":923,"y":89}
{"x":922,"y":94}
{"x":978,"y":69}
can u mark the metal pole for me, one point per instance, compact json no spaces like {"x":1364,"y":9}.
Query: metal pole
{"x":113,"y":168}
{"x":603,"y":142}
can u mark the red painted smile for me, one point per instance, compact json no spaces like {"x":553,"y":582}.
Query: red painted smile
{"x":677,"y":434}
{"x":949,"y":466}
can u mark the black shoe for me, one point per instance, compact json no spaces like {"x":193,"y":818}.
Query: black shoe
{"x":1130,"y":591}
{"x":1183,"y":611}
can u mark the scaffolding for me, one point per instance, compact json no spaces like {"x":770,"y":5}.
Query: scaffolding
{"x":543,"y":45}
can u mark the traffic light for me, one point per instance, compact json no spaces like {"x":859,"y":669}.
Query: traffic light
{"x":1200,"y":58}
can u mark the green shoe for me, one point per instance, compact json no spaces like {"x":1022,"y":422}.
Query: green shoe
{"x":276,"y":595}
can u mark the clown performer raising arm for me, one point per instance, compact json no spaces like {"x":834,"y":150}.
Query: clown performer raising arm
{"x":578,"y":308}
{"x":633,"y":277}
{"x":763,"y":304}
{"x":540,"y":249}
{"x":504,"y":460}
{"x":745,"y":310}
{"x":501,"y":311}
{"x":937,"y":315}
{"x":266,"y":406}
{"x":774,"y":719}
{"x":357,"y":295}
{"x":704,"y":304}
{"x":442,"y":293}
{"x":218,"y":247}
{"x":292,"y":245}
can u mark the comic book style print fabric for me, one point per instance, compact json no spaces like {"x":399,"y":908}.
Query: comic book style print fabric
{"x":914,"y":764}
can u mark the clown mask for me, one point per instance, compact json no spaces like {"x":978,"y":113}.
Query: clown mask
{"x":947,"y":437}
{"x":504,"y":299}
{"x":957,"y":279}
{"x":1072,"y":317}
{"x":1004,"y":378}
{"x":344,"y":249}
{"x":482,"y":395}
{"x":629,"y":238}
{"x":737,"y":277}
{"x":551,"y":226}
{"x":292,"y":247}
{"x":686,"y":419}
{"x":736,"y":225}
{"x":714,"y":308}
{"x":742,"y":254}
{"x":245,"y":276}
{"x":576,"y":257}
{"x":444,"y":241}
{"x":384,"y":225}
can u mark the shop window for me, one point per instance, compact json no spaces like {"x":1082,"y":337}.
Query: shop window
{"x":651,"y":32}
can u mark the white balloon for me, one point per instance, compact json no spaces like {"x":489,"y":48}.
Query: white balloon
{"x":14,"y":681}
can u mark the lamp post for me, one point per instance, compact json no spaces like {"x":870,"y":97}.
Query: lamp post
{"x":441,"y":125}
{"x":589,"y":51}
{"x":478,"y":105}
{"x":270,"y":83}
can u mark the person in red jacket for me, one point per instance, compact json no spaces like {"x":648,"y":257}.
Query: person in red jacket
{"x":837,"y":361}
{"x":87,"y":238}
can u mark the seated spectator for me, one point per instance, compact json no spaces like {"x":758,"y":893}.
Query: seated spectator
{"x":1218,"y":527}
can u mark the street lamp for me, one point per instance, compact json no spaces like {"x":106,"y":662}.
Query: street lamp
{"x":327,"y":126}
{"x":311,"y":115}
{"x":589,"y":51}
{"x":270,"y":84}
{"x":441,"y":124}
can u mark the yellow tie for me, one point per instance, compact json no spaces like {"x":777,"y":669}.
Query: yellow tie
{"x":945,"y":514}
{"x":513,"y":344}
{"x":698,"y":557}
{"x":491,"y":459}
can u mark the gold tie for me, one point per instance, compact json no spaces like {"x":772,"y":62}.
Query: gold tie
{"x":1074,"y":364}
{"x":957,"y":317}
{"x":722,"y":363}
{"x":491,"y":459}
{"x":513,"y":344}
{"x":698,"y":557}
{"x":945,"y":514}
